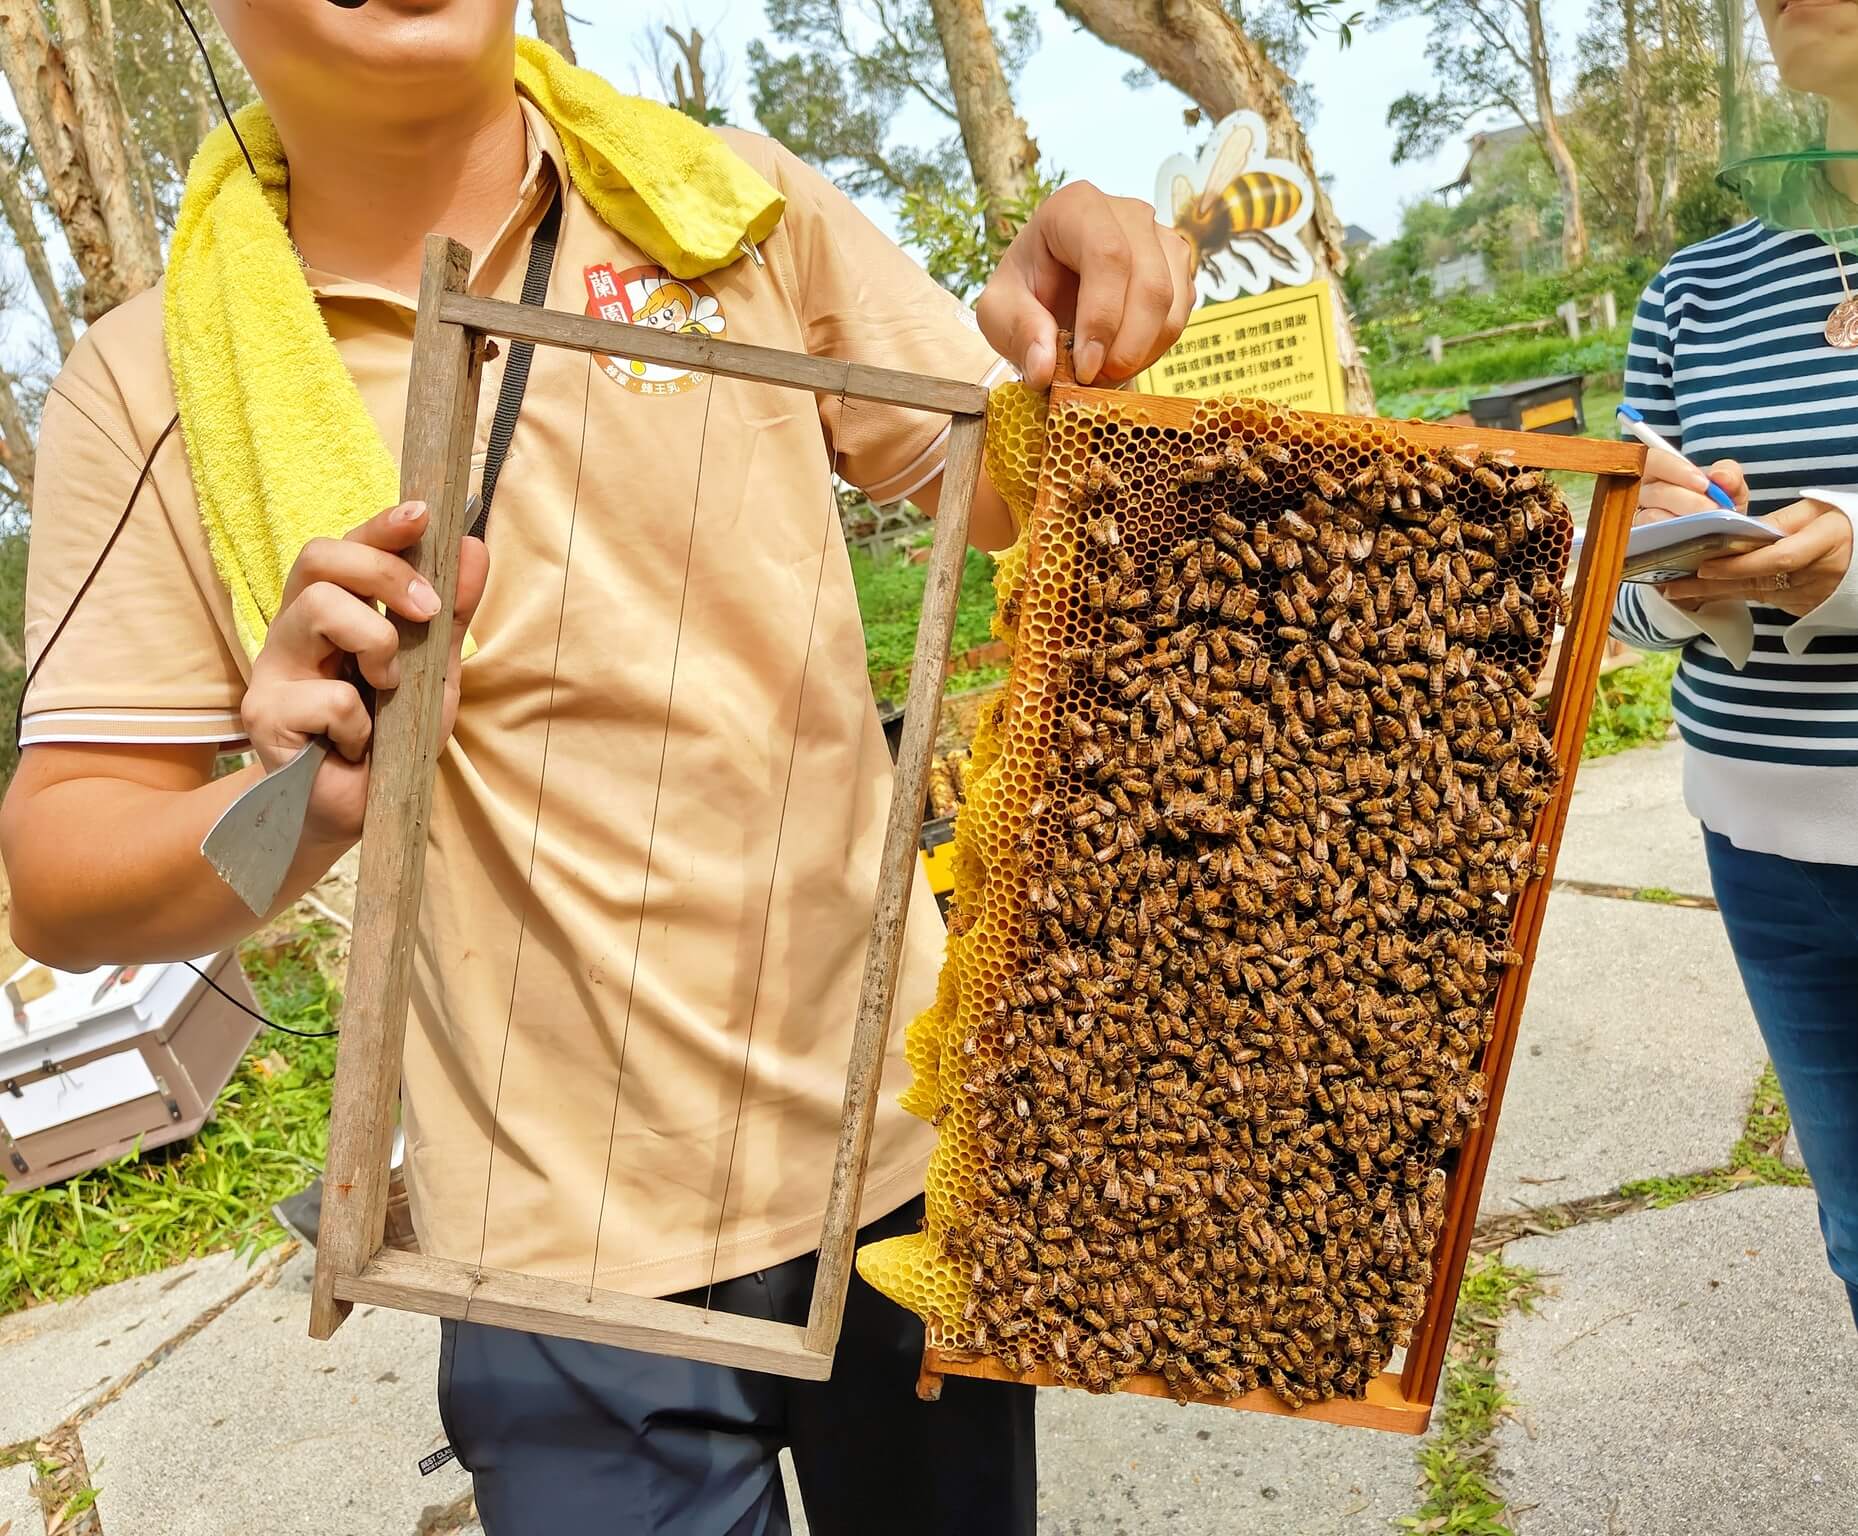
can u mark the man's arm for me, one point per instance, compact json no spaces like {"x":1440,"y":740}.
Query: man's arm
{"x":102,"y":846}
{"x":102,"y":842}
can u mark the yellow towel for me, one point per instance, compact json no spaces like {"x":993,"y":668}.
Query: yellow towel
{"x":282,"y":448}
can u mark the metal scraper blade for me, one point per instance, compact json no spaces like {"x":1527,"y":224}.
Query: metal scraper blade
{"x":254,"y":842}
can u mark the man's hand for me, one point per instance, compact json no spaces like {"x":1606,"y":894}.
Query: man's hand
{"x":1795,"y":573}
{"x":1099,"y":266}
{"x":298,"y":688}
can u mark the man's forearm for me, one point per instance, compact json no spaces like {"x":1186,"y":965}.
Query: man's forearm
{"x":106,"y":871}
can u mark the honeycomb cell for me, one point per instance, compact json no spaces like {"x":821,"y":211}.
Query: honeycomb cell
{"x":1234,"y":863}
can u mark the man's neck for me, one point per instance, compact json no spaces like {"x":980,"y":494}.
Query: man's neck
{"x":362,"y":204}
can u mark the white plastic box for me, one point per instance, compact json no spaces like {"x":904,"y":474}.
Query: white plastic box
{"x":110,"y":1059}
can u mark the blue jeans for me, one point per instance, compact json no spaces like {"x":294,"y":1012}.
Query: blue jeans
{"x":1794,"y":929}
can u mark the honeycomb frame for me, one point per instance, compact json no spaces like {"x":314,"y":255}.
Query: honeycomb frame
{"x":992,"y":896}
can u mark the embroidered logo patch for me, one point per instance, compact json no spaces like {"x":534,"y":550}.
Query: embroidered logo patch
{"x":649,"y":296}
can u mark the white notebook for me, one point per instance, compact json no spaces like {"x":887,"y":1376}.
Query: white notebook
{"x":1676,"y":546}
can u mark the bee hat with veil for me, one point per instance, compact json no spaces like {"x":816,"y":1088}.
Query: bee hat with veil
{"x":1788,"y":74}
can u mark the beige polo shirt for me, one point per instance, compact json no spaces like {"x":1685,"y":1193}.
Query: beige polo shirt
{"x":655,"y":839}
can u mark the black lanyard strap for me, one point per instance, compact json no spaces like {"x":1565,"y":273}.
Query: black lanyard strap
{"x":516,"y":369}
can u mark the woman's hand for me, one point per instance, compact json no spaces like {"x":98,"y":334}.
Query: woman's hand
{"x":1796,"y":573}
{"x":1099,"y":266}
{"x":1674,"y":487}
{"x":299,"y":688}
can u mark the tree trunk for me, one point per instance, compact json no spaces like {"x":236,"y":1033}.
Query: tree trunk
{"x":42,"y":94}
{"x":17,"y":451}
{"x":551,"y":25}
{"x":1560,"y":157}
{"x":1000,"y":152}
{"x":109,"y":147}
{"x":1638,"y":124}
{"x":1668,"y":45}
{"x":689,"y":85}
{"x":1200,"y":50}
{"x":17,"y":207}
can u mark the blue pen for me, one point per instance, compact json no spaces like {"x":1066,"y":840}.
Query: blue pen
{"x":1635,"y":424}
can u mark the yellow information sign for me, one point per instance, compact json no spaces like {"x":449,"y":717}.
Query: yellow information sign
{"x":1278,"y":346}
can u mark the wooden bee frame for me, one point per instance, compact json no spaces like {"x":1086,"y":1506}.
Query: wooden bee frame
{"x":1402,"y":1400}
{"x":352,"y":1265}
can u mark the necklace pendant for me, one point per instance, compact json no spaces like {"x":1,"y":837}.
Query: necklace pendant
{"x":1842,"y":324}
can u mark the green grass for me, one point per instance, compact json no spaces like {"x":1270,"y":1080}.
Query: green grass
{"x":1755,"y":1160}
{"x":77,"y":1504}
{"x":1656,"y":893}
{"x":1632,"y":706}
{"x":266,"y":1140}
{"x":1485,"y":363}
{"x":1422,"y":404}
{"x":1457,"y":1464}
{"x":979,"y":677}
{"x":890,"y":598}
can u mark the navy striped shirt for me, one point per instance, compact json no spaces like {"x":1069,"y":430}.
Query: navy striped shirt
{"x":1728,"y":359}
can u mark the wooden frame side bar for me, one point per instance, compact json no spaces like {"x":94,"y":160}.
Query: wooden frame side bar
{"x":435,"y":466}
{"x":417,"y":1282}
{"x":922,"y":707}
{"x":1603,"y":554}
{"x":702,"y":354}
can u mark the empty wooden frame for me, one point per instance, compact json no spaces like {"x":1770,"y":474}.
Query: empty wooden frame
{"x":352,"y":1265}
{"x":1402,"y":1400}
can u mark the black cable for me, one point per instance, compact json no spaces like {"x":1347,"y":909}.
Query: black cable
{"x":301,"y":1034}
{"x":122,"y":519}
{"x":225,"y":111}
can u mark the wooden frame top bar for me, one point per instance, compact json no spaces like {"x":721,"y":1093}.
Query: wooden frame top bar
{"x":1539,"y":450}
{"x":703,"y":354}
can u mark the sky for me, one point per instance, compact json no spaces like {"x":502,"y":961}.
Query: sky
{"x":1061,"y":92}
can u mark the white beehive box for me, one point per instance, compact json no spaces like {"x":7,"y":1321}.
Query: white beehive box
{"x":95,"y":1063}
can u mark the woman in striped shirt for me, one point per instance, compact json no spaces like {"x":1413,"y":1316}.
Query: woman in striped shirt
{"x":1730,"y":359}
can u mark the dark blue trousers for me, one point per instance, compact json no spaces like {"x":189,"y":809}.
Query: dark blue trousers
{"x":569,"y":1439}
{"x":1794,"y":929}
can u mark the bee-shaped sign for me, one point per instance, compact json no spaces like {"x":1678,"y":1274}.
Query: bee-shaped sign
{"x":1239,"y":207}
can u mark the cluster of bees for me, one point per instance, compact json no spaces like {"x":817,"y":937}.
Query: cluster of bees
{"x":948,"y":781}
{"x":1289,"y":780}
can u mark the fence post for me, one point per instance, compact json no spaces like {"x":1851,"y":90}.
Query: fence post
{"x":1570,"y":313}
{"x":1609,"y":309}
{"x":1435,"y":349}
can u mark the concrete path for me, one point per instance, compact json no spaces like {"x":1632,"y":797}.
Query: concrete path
{"x":1127,"y":1466}
{"x":1689,"y":1371}
{"x":20,"y":1514}
{"x":1628,"y":825}
{"x":1637,"y":1054}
